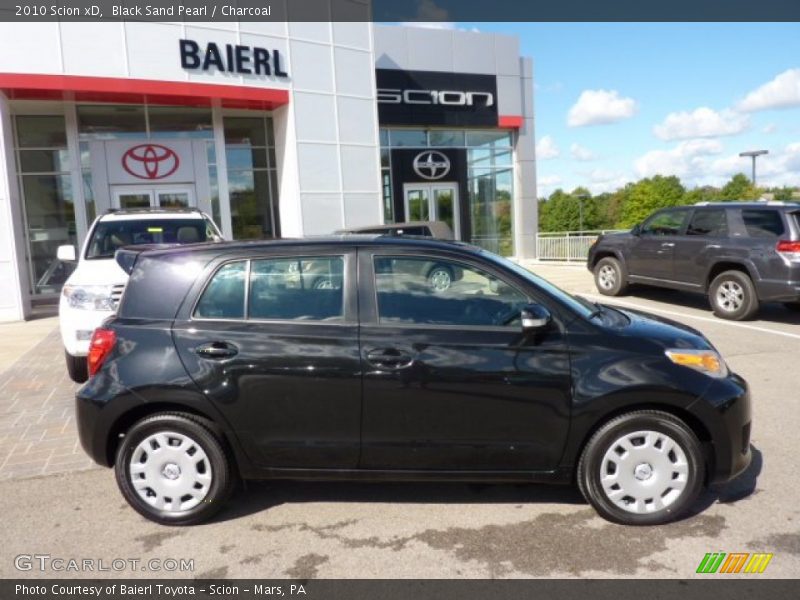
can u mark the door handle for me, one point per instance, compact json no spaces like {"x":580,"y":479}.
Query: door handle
{"x":714,"y":246}
{"x":668,"y":244}
{"x":389,"y":358}
{"x":217,"y":350}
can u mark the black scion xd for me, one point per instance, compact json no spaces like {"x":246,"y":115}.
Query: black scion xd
{"x":224,"y":362}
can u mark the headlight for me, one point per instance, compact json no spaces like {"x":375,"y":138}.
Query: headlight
{"x":705,"y":361}
{"x":88,"y":297}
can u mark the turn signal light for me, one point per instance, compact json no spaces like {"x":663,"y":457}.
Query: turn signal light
{"x":705,"y":361}
{"x":102,"y":343}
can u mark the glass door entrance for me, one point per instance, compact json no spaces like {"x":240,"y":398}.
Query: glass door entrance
{"x":433,"y":202}
{"x":142,"y":196}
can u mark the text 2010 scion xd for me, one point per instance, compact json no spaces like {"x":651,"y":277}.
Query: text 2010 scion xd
{"x":339,"y":358}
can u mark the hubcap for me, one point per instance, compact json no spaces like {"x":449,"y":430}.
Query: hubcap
{"x":730,"y":296}
{"x":440,"y":280}
{"x":607,"y":277}
{"x":170,"y":471}
{"x":644,"y":472}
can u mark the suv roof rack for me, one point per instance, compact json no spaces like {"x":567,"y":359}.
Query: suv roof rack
{"x":759,"y":202}
{"x":150,"y":209}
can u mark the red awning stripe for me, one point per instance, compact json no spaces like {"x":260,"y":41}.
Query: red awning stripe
{"x":138,"y":91}
{"x":512,"y":121}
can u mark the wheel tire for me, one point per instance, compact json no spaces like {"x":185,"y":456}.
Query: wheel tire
{"x":741,"y":302}
{"x":77,"y":367}
{"x":610,"y":277}
{"x":440,"y":278}
{"x":603,"y":446}
{"x":793,"y":306}
{"x":222,"y":476}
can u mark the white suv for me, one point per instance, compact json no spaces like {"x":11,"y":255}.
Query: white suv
{"x":92,"y":292}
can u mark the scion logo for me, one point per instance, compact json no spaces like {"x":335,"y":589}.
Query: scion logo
{"x":735,"y":562}
{"x":431,"y":164}
{"x":442,"y":97}
{"x":150,"y":161}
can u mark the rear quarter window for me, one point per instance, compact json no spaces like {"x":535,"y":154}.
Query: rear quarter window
{"x":762,"y":223}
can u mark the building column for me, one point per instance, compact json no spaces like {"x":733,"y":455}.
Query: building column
{"x":526,"y":206}
{"x":15,"y":302}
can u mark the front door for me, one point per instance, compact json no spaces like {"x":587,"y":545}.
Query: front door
{"x":148,"y":196}
{"x":450,"y":382}
{"x":433,"y":202}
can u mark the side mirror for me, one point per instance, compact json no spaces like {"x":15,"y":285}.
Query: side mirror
{"x":535,"y":317}
{"x":636,"y":230}
{"x":66,"y":253}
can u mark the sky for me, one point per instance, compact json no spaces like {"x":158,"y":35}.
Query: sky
{"x":618,"y":102}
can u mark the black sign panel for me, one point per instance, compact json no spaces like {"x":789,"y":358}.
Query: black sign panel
{"x":430,"y":165}
{"x":435,"y":98}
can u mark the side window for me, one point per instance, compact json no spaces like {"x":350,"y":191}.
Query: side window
{"x":665,"y":223}
{"x":223,"y":297}
{"x":762,"y":223}
{"x":297,"y":289}
{"x":440,"y":292}
{"x":708,"y":222}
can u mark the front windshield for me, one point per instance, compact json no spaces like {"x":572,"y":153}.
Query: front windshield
{"x":579,"y":305}
{"x":110,"y":235}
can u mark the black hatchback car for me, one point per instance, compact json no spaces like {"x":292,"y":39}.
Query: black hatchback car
{"x":738,"y":253}
{"x":221,"y":363}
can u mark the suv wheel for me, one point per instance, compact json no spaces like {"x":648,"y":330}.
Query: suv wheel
{"x":610,"y":277}
{"x":173,"y":470}
{"x":76,"y":367}
{"x":733,"y":296}
{"x":642,"y":468}
{"x":440,"y":278}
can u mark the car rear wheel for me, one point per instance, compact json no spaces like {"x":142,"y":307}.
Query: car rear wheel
{"x":76,"y":367}
{"x":642,"y":468}
{"x":733,"y":296}
{"x":173,"y":470}
{"x":610,"y":277}
{"x":440,"y":278}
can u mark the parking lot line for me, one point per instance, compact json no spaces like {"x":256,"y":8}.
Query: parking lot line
{"x":716,"y":321}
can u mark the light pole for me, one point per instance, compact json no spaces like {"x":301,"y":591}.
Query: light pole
{"x":754,"y":154}
{"x":581,"y":198}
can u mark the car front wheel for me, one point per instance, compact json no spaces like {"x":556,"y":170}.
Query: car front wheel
{"x":76,"y":367}
{"x":610,"y":277}
{"x":173,"y":470}
{"x":440,"y":279}
{"x":733,"y":296}
{"x":642,"y":468}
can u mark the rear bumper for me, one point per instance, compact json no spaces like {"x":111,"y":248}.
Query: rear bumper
{"x":772,"y":290}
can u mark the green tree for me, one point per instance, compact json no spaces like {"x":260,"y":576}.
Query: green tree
{"x":786,"y":193}
{"x":740,"y":188}
{"x":648,"y":195}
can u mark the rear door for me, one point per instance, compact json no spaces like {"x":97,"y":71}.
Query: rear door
{"x":652,"y":252}
{"x":450,"y":381}
{"x":695,"y":251}
{"x":273,"y":342}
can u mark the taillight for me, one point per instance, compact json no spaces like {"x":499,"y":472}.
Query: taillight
{"x":789,"y":250}
{"x":103,"y":341}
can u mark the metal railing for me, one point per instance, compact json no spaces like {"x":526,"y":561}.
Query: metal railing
{"x":567,"y":245}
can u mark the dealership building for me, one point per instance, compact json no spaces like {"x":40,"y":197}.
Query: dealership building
{"x":273,"y":128}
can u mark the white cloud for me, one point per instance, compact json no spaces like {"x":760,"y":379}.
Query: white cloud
{"x":782,"y":92}
{"x":547,"y":148}
{"x":685,"y":160}
{"x":581,"y":153}
{"x":605,"y":180}
{"x":547,"y":183}
{"x":598,"y":107}
{"x":769,"y":128}
{"x":702,"y":122}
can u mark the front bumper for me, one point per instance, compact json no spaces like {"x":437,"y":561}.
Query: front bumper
{"x":726,"y":411}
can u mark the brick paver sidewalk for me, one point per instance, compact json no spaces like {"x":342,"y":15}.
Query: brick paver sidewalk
{"x":37,"y":415}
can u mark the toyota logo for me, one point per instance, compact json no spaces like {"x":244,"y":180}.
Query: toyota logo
{"x":150,"y":161}
{"x":431,"y":164}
